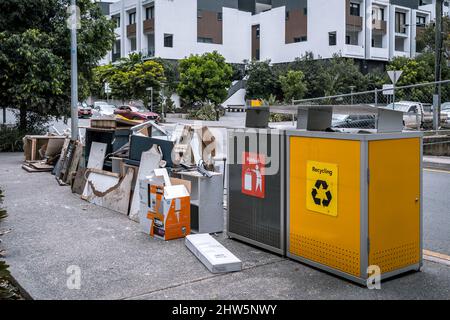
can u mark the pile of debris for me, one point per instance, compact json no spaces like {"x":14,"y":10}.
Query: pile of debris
{"x":154,"y":176}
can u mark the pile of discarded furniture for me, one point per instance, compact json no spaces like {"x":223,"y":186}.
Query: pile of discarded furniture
{"x":166,"y":181}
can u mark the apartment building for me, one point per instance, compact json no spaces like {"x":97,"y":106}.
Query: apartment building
{"x":279,"y":30}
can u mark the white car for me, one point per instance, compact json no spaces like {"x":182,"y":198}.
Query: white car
{"x":104,"y":110}
{"x":445,"y":108}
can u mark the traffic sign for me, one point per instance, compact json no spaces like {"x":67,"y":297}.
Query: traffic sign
{"x":395,"y":75}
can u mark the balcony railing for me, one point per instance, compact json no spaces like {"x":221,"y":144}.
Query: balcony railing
{"x":355,"y":21}
{"x":149,"y":25}
{"x":379,"y":25}
{"x":131,"y":30}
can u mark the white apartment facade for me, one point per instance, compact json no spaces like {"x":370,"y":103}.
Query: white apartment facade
{"x":276,"y":30}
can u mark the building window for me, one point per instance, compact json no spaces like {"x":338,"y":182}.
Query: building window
{"x":287,"y":15}
{"x":199,"y":13}
{"x":168,"y":40}
{"x":332,"y":38}
{"x":305,"y":11}
{"x":354,"y":9}
{"x":219,"y":16}
{"x":132,"y":18}
{"x":420,"y":21}
{"x":301,"y":39}
{"x":116,"y":47}
{"x":378,"y":13}
{"x":150,"y":13}
{"x":117,"y":21}
{"x":258,"y":32}
{"x":133,"y":44}
{"x":204,"y":40}
{"x":400,"y":22}
{"x":257,"y":55}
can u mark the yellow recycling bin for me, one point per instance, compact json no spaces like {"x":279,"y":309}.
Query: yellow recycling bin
{"x":354,"y":202}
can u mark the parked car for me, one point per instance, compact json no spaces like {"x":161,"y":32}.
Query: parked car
{"x":84,"y":111}
{"x":363,"y":121}
{"x":445,"y":109}
{"x":136,"y":113}
{"x":415,"y":114}
{"x":104,"y":110}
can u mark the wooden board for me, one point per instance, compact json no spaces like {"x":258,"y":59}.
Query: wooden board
{"x":149,"y":161}
{"x":97,"y":155}
{"x":77,"y":153}
{"x":108,"y":191}
{"x":79,"y":181}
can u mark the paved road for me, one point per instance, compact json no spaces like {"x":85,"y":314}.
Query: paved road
{"x":53,"y":229}
{"x":436,"y":186}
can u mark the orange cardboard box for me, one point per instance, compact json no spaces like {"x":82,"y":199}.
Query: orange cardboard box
{"x":165,"y":209}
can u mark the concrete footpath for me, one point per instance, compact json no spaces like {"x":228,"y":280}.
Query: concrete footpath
{"x":437,"y":163}
{"x":53,"y":229}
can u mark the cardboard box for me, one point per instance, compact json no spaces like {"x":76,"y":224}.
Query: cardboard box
{"x":165,"y":210}
{"x":212,"y":254}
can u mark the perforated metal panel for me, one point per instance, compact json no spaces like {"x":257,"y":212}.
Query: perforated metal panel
{"x":397,"y":257}
{"x":258,"y":220}
{"x":326,"y":254}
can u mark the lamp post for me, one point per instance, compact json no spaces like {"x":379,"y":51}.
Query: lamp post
{"x":151,"y":97}
{"x":73,"y":24}
{"x":437,"y":65}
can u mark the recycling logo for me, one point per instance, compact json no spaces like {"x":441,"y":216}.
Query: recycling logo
{"x":321,"y":185}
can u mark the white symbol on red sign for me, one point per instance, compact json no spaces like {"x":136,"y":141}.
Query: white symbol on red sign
{"x":253,"y":178}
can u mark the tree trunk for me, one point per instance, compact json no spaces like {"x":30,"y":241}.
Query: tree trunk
{"x":23,"y":118}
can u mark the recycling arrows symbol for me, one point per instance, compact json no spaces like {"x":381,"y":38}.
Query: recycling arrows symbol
{"x":324,"y":202}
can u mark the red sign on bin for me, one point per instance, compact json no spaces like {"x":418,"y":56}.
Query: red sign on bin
{"x":253,"y":174}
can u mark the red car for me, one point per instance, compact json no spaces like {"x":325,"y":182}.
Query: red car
{"x":136,"y":113}
{"x":84,"y":111}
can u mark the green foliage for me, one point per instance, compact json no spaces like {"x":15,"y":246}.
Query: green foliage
{"x":262,"y":80}
{"x":326,"y":77}
{"x":11,"y":137}
{"x":35,"y":53}
{"x":204,"y":78}
{"x":419,"y":70}
{"x":207,"y":112}
{"x":293,"y":85}
{"x":425,"y":40}
{"x":318,"y":78}
{"x":130,"y":78}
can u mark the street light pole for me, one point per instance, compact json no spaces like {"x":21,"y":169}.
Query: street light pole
{"x":437,"y":63}
{"x":74,"y":70}
{"x":151,"y":98}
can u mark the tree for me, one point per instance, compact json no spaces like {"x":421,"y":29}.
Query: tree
{"x":204,"y":78}
{"x":130,"y":78}
{"x":293,"y":85}
{"x":425,"y":39}
{"x":262,"y":81}
{"x":419,"y":70}
{"x":35,"y":54}
{"x":325,"y":77}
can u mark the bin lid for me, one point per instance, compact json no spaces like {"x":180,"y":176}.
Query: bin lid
{"x":319,"y":117}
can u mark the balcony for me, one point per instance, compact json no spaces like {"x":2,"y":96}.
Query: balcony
{"x":379,"y":53}
{"x":131,"y":30}
{"x":353,"y":51}
{"x":379,"y":25}
{"x":149,"y":26}
{"x":355,"y":21}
